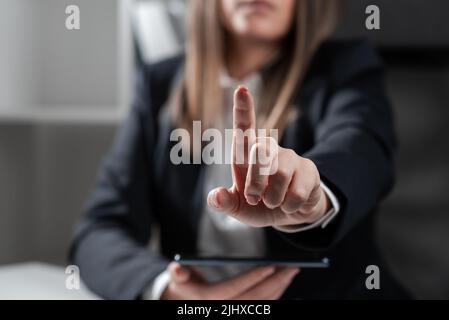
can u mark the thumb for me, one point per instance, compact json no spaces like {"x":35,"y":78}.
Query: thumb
{"x":178,"y":273}
{"x":224,"y":200}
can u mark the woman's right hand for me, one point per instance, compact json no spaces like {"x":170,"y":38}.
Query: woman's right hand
{"x":264,"y":283}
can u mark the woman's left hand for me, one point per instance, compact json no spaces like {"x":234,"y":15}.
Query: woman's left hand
{"x":284,"y":191}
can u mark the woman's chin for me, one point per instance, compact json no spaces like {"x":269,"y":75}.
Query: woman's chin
{"x":256,"y":31}
{"x":257,"y":36}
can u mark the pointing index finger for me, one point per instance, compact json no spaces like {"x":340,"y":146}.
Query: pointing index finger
{"x":244,"y":134}
{"x":243,"y":113}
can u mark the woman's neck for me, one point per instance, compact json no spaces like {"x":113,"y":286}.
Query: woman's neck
{"x":245,"y":57}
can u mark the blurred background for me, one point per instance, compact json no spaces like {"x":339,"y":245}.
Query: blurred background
{"x":63,"y":93}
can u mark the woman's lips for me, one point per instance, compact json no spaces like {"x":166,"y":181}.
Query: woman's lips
{"x":257,"y":5}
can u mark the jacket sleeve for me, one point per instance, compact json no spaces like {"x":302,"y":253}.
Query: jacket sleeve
{"x":354,"y":147}
{"x":110,"y":243}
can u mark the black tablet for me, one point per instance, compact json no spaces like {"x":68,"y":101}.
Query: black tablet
{"x":251,"y":262}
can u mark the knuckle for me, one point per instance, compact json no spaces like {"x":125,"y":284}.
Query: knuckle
{"x":286,"y":156}
{"x":310,"y":165}
{"x":300,"y":194}
{"x":282,"y":173}
{"x":291,"y":152}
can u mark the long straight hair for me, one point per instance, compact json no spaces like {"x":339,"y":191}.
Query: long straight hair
{"x":199,"y":96}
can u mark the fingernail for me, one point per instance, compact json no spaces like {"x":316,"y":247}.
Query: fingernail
{"x":242,"y":89}
{"x":242,"y":96}
{"x":253,"y":200}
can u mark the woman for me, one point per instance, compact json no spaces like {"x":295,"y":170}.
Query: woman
{"x":334,"y":162}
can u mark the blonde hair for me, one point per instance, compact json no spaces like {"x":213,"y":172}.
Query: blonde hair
{"x":199,"y":96}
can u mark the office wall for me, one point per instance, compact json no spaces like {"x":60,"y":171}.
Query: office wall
{"x":44,"y":64}
{"x":79,"y":67}
{"x":44,"y":68}
{"x":46,"y":173}
{"x":19,"y":69}
{"x":17,"y":192}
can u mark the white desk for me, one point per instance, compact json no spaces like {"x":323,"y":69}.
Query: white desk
{"x":38,"y":281}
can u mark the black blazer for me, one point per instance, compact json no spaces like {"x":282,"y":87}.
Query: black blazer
{"x":345,"y":127}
